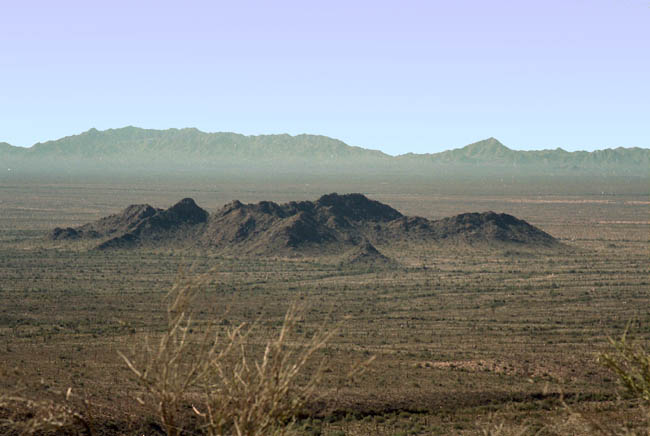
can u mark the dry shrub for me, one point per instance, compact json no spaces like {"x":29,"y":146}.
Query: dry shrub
{"x":250,"y":397}
{"x":631,"y":364}
{"x":168,"y":368}
{"x":242,"y":393}
{"x":22,"y":415}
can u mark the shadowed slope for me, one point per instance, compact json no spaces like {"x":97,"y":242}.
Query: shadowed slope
{"x":139,"y":223}
{"x":122,"y":222}
{"x":366,"y":255}
{"x":267,"y":227}
{"x":491,"y":226}
{"x":350,"y":225}
{"x":176,"y":223}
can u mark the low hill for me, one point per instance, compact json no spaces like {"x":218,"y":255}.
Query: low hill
{"x":350,"y":225}
{"x":490,"y":227}
{"x":365,"y":255}
{"x":330,"y":223}
{"x":140,"y":224}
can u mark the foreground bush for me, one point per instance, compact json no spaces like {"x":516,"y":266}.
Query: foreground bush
{"x":231,"y":390}
{"x":631,"y":364}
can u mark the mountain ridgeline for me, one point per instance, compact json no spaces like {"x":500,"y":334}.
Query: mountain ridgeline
{"x":177,"y":149}
{"x":350,"y":226}
{"x":132,"y":144}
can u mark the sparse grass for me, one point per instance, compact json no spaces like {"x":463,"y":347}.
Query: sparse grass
{"x":473,"y":333}
{"x":22,"y":414}
{"x":175,"y":363}
{"x":241,"y":394}
{"x":630,"y":362}
{"x":250,"y":396}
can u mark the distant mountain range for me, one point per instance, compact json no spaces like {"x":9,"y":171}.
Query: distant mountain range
{"x":145,"y":148}
{"x":493,"y":152}
{"x":133,"y":142}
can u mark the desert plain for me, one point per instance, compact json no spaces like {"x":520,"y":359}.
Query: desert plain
{"x":465,"y":338}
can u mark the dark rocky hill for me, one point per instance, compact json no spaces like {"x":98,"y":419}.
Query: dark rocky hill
{"x":365,"y":255}
{"x":350,"y":225}
{"x":140,"y":224}
{"x":327,"y":224}
{"x":491,"y":226}
{"x":119,"y":223}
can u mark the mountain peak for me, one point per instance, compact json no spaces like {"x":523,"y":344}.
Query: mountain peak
{"x":357,"y":207}
{"x":490,"y":143}
{"x":487,"y":148}
{"x":187,"y":210}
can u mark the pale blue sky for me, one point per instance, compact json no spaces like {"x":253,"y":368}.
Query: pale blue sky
{"x":399,"y":76}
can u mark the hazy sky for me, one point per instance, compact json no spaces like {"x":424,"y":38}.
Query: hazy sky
{"x":398,"y":76}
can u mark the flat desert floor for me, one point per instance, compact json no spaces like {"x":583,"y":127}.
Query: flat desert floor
{"x":467,"y":340}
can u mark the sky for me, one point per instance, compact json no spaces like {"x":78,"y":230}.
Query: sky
{"x":398,"y":76}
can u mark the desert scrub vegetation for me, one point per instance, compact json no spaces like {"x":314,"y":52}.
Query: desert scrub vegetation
{"x":630,"y":362}
{"x":231,"y":388}
{"x":22,"y":415}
